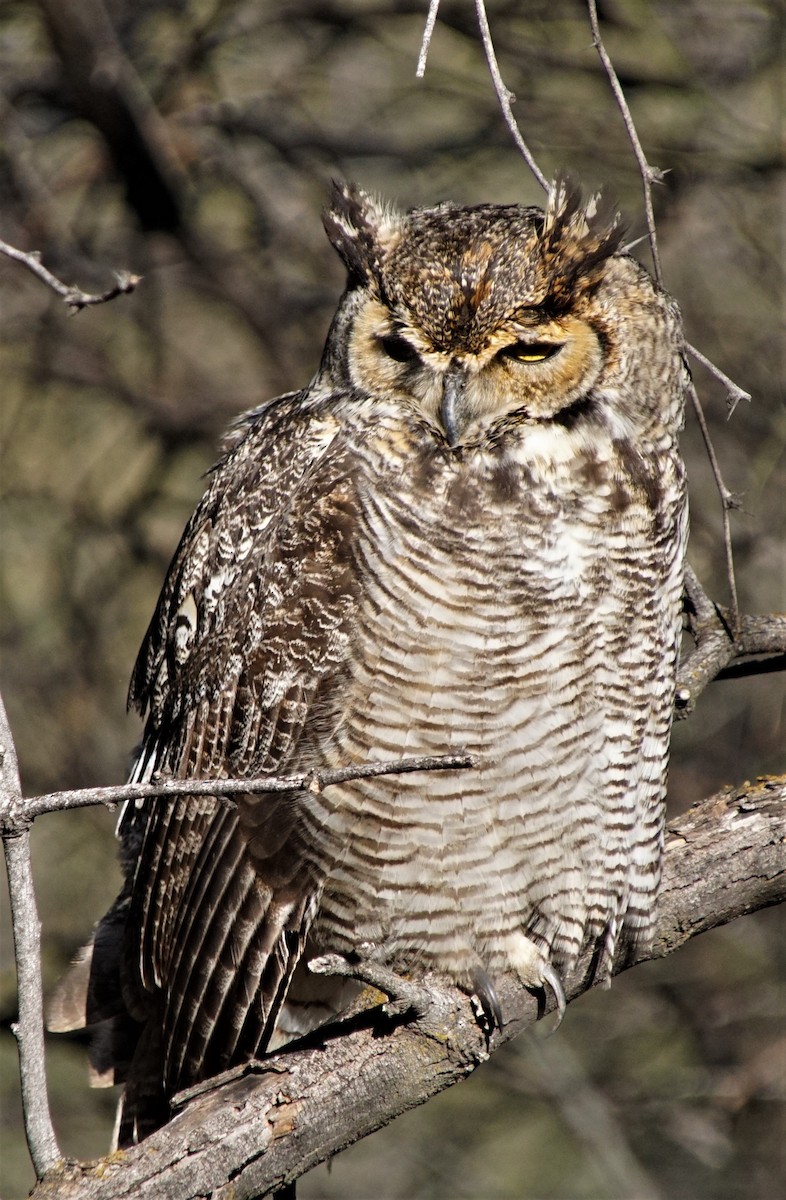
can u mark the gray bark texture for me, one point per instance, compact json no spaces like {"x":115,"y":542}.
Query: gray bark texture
{"x":249,"y":1134}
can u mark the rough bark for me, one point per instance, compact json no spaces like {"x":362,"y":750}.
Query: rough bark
{"x":246,"y":1135}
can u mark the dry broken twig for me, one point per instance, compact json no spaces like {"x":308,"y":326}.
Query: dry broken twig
{"x":74,"y":297}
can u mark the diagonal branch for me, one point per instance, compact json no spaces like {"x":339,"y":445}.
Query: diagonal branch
{"x":649,"y":175}
{"x":728,"y":501}
{"x":431,"y":20}
{"x":263,"y":1127}
{"x":505,"y":97}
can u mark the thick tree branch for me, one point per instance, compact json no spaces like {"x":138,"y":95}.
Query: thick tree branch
{"x":267,"y":1125}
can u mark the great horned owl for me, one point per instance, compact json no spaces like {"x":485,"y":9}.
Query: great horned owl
{"x":466,"y":532}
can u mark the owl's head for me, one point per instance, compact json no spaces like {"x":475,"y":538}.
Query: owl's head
{"x":481,"y":315}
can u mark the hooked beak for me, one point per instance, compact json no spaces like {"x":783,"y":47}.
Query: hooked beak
{"x":452,"y":408}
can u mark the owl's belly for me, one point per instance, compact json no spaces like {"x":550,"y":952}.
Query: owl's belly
{"x":447,"y":868}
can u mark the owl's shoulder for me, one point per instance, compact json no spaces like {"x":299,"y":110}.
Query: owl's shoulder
{"x":278,"y":512}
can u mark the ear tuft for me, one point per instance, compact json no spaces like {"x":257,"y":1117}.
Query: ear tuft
{"x":363,"y":230}
{"x":577,"y":239}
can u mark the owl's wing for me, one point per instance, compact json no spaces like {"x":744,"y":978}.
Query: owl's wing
{"x":253,"y":623}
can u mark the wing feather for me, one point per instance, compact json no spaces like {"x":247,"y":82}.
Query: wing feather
{"x":254,"y":620}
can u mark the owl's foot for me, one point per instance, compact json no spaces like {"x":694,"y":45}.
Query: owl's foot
{"x":535,"y":970}
{"x":404,"y":996}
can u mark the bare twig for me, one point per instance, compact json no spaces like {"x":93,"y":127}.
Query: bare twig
{"x":29,"y":1029}
{"x":431,"y":21}
{"x":73,"y":296}
{"x":728,"y":501}
{"x":735,"y":392}
{"x":649,"y":174}
{"x":727,"y":645}
{"x":505,"y":97}
{"x":314,"y":781}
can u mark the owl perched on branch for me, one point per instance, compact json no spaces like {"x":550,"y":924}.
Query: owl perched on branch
{"x":466,"y":533}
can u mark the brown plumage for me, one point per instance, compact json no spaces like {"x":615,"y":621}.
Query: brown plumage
{"x":468,"y":531}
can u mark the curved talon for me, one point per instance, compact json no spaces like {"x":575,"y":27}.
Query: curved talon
{"x":552,"y":979}
{"x":486,"y":996}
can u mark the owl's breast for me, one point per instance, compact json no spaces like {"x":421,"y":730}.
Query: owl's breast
{"x":470,"y":625}
{"x":475,"y":632}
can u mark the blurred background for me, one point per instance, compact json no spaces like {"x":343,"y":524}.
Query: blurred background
{"x":192,"y":142}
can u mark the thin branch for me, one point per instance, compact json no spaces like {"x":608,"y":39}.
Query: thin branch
{"x":313,"y":781}
{"x":29,"y":1029}
{"x":505,"y":97}
{"x":72,"y":296}
{"x":735,"y":392}
{"x":649,"y":174}
{"x":431,"y":21}
{"x":728,"y":501}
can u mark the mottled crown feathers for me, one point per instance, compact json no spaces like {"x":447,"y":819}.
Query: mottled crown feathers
{"x":568,"y":244}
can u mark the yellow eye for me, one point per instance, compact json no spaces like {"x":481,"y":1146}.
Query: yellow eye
{"x":531,"y":352}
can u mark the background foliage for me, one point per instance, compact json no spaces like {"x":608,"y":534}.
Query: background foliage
{"x":191,"y":142}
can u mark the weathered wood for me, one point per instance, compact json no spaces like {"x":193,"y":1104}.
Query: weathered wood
{"x":724,"y":858}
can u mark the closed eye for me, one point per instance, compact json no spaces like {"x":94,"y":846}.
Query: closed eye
{"x":399,"y":349}
{"x":531,"y":352}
